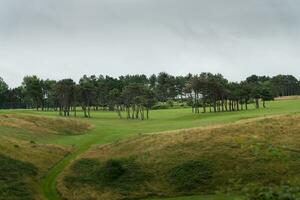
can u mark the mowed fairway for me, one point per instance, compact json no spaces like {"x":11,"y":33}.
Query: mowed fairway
{"x":107,"y":128}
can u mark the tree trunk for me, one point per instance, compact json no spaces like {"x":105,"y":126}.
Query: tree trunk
{"x":222,"y":105}
{"x":133,"y":112}
{"x":215,"y":106}
{"x":137,"y":112}
{"x":257,"y":103}
{"x":204,"y":107}
{"x":237,"y":105}
{"x":88,"y":111}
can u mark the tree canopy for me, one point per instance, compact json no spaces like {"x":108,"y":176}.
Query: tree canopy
{"x":133,"y":96}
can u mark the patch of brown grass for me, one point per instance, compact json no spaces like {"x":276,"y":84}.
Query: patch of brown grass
{"x":43,"y":156}
{"x":44,"y":124}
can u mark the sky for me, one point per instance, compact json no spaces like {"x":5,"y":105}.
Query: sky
{"x":69,"y":38}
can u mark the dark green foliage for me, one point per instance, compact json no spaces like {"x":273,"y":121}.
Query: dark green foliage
{"x":123,"y":174}
{"x":86,"y":171}
{"x":283,"y":192}
{"x":85,"y":166}
{"x":3,"y":90}
{"x":137,"y":94}
{"x":191,"y":175}
{"x":12,"y":173}
{"x":34,"y":90}
{"x":112,"y":170}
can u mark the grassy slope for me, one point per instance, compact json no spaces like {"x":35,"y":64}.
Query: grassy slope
{"x":24,"y":138}
{"x":269,"y":145}
{"x":108,"y":128}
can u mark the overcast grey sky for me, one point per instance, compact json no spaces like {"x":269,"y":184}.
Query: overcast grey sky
{"x":68,"y":38}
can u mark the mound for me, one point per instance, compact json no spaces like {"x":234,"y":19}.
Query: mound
{"x":196,"y":161}
{"x":27,"y":151}
{"x":44,"y":124}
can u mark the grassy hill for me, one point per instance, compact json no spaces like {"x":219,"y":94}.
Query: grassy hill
{"x":106,"y":128}
{"x":26,"y":154}
{"x":260,"y":151}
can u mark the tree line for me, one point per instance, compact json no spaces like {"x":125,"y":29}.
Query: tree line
{"x":132,"y":96}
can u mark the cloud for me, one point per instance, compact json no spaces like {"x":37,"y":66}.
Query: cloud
{"x":69,"y":38}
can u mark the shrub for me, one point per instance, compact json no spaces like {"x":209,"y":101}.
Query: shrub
{"x":86,"y":171}
{"x":85,"y":166}
{"x":112,"y":170}
{"x":123,"y":174}
{"x":9,"y":166}
{"x":12,"y":173}
{"x":191,"y":175}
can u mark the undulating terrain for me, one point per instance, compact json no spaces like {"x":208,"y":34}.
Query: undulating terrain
{"x":224,"y":158}
{"x":110,"y":158}
{"x":27,"y":154}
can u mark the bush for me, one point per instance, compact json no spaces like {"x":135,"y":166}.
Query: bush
{"x":86,"y":171}
{"x":283,"y":192}
{"x":12,"y":173}
{"x":85,"y":166}
{"x":112,"y":170}
{"x":191,"y":175}
{"x":123,"y":174}
{"x":12,"y":167}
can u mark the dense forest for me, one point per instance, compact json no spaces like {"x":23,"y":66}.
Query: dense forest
{"x":135,"y":95}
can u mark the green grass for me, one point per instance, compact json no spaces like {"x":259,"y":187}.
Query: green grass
{"x":109,"y":128}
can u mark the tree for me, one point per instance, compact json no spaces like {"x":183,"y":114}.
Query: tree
{"x":136,"y":98}
{"x":165,"y":87}
{"x":116,"y":100}
{"x":266,"y":92}
{"x":136,"y":94}
{"x":87,"y":94}
{"x":33,"y":88}
{"x":180,"y":82}
{"x":148,"y":100}
{"x":246,"y":92}
{"x":15,"y":98}
{"x":284,"y":85}
{"x":3,"y":91}
{"x":48,"y":89}
{"x":153,"y":82}
{"x":65,"y":93}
